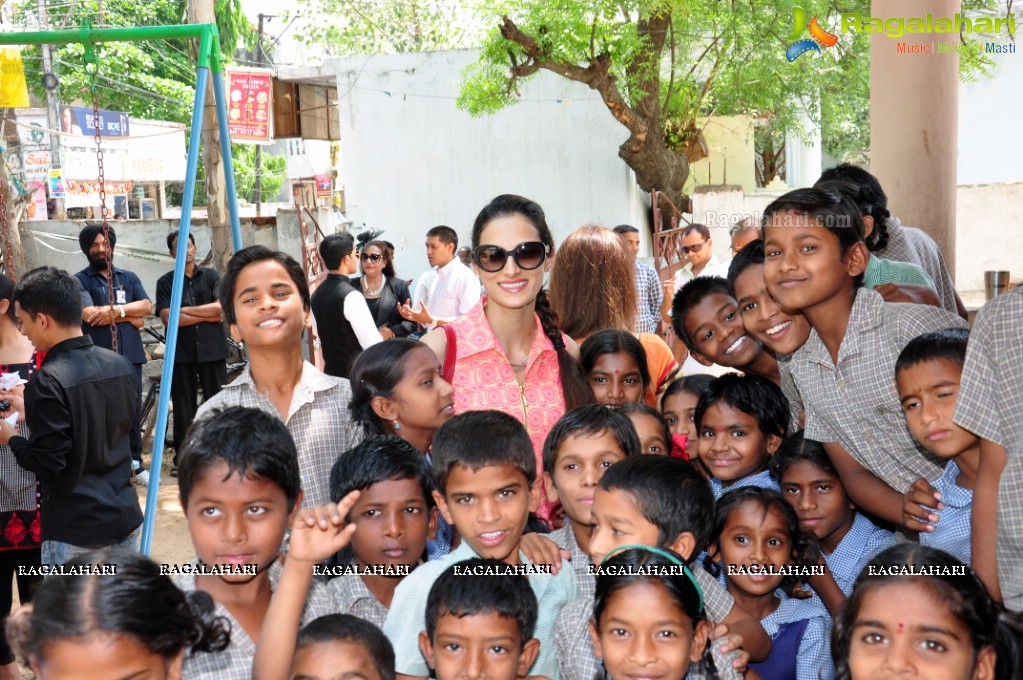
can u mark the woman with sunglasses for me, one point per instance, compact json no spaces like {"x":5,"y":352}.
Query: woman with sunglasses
{"x":507,"y":353}
{"x":383,"y":290}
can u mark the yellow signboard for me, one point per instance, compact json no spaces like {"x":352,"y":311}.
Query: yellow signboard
{"x":13,"y":88}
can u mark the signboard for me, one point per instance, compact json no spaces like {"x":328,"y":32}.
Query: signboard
{"x":324,"y":186}
{"x":249,"y":94}
{"x":86,"y":194}
{"x":13,"y":88}
{"x":78,"y":120}
{"x":37,"y":164}
{"x":55,"y":182}
{"x":157,"y":154}
{"x":36,"y":208}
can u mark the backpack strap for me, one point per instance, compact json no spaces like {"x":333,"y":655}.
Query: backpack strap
{"x":450,"y":352}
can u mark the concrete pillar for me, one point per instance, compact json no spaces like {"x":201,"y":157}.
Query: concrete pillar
{"x":914,"y":114}
{"x":803,"y":154}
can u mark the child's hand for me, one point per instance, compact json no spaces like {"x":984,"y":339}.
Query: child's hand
{"x":730,"y":645}
{"x":920,"y":503}
{"x":320,"y":531}
{"x":541,"y":550}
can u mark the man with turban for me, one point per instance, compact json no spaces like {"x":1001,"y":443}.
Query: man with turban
{"x":126,"y":313}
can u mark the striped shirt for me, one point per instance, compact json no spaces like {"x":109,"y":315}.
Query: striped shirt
{"x":880,"y":271}
{"x":909,"y":244}
{"x":650,"y":294}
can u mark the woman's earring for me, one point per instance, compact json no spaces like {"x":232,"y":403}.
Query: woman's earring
{"x":397,"y":425}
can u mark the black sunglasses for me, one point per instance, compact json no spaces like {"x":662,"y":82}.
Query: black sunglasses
{"x":693,"y":249}
{"x":528,"y":256}
{"x":372,"y":257}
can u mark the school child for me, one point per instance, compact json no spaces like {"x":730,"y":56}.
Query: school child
{"x":762,"y":318}
{"x":394,"y":517}
{"x":615,"y":365}
{"x":650,"y":624}
{"x":741,"y":421}
{"x":124,"y":620}
{"x":990,"y":405}
{"x":239,"y":487}
{"x":757,"y":533}
{"x":342,"y":646}
{"x":661,"y":502}
{"x":480,"y":623}
{"x":811,"y":485}
{"x":484,"y":487}
{"x":706,"y":318}
{"x":928,"y":374}
{"x":940,"y":624}
{"x":678,"y":404}
{"x":654,"y":436}
{"x":265,"y":299}
{"x":398,"y":389}
{"x":584,"y":443}
{"x":814,"y":262}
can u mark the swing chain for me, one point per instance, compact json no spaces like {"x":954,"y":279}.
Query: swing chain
{"x":92,"y":67}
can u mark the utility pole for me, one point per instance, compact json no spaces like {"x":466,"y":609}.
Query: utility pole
{"x":52,"y":117}
{"x":261,"y":58}
{"x":202,"y":12}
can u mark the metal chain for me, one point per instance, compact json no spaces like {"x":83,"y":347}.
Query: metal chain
{"x":91,"y":68}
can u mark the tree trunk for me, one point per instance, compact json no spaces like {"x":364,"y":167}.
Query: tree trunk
{"x":202,"y":12}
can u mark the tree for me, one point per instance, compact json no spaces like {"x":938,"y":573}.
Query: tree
{"x":273,"y":170}
{"x":662,"y":66}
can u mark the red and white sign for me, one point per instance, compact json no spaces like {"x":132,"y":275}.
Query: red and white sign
{"x":249,"y":105}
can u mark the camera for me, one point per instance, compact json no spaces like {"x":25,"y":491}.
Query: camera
{"x":4,"y":404}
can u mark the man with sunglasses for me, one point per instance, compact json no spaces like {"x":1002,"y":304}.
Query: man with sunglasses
{"x":699,"y":247}
{"x":449,"y":289}
{"x":344,"y":323}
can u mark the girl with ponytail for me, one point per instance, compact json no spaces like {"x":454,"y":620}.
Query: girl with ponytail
{"x":508,"y":353}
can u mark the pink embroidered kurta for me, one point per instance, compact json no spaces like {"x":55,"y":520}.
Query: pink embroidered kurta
{"x":484,"y":380}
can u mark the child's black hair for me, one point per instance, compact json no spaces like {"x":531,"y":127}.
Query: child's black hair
{"x":873,"y":201}
{"x":612,"y":341}
{"x":952,"y":583}
{"x":335,"y":628}
{"x":50,"y":291}
{"x":647,"y":409}
{"x":670,"y":493}
{"x":693,"y":384}
{"x":948,"y":343}
{"x":692,"y":294}
{"x":829,"y":208}
{"x":249,"y":441}
{"x":751,"y":254}
{"x":587,"y":421}
{"x":134,"y":600}
{"x":376,"y":459}
{"x":479,"y":439}
{"x":375,"y":373}
{"x":802,"y":550}
{"x":246,"y":256}
{"x":7,"y":293}
{"x":752,"y":394}
{"x":798,"y":449}
{"x":467,"y":589}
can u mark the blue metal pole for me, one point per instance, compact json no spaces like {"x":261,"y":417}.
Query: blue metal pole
{"x":152,"y":496}
{"x":225,"y":148}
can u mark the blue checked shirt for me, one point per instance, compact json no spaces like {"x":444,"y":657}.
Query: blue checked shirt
{"x":761,"y":479}
{"x":863,"y":541}
{"x":990,"y":404}
{"x":814,"y":660}
{"x":650,"y":294}
{"x":952,"y":532}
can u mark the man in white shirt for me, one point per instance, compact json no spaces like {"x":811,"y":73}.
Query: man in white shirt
{"x":449,"y":289}
{"x":342,"y":336}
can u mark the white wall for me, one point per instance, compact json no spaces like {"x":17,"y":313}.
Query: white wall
{"x":990,"y":146}
{"x":410,"y":159}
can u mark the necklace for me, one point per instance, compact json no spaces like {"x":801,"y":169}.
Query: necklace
{"x":519,"y":367}
{"x":373,"y":293}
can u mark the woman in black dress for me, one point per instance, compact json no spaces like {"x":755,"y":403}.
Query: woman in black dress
{"x":383,"y":290}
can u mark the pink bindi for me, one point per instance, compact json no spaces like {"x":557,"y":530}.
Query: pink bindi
{"x":899,"y":629}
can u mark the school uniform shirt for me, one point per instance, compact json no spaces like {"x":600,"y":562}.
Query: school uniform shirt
{"x":909,"y":244}
{"x":791,"y":392}
{"x":862,"y":543}
{"x":318,"y":420}
{"x":800,"y":633}
{"x":407,"y":616}
{"x":235,"y":662}
{"x":572,"y":635}
{"x":352,"y":596}
{"x":880,"y":271}
{"x":952,"y":532}
{"x":856,"y":404}
{"x":127,"y":289}
{"x":761,"y":479}
{"x":585,"y":582}
{"x":990,"y":404}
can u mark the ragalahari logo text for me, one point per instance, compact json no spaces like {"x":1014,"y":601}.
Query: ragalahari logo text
{"x":818,"y":36}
